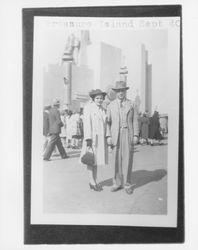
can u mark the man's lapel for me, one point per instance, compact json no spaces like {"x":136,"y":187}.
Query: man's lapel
{"x":116,"y":109}
{"x":128,"y":106}
{"x":116,"y":106}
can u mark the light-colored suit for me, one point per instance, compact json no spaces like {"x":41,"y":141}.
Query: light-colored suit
{"x":122,"y":139}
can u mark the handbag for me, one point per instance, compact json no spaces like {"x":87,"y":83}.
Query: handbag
{"x":88,"y":158}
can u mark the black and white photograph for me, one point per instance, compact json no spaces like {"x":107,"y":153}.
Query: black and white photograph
{"x":98,"y":145}
{"x":99,"y":142}
{"x":105,"y":120}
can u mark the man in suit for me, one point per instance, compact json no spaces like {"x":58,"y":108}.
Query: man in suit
{"x":55,"y":125}
{"x":122,"y":134}
{"x":46,"y":110}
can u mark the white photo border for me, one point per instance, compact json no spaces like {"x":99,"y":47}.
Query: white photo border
{"x":37,"y":215}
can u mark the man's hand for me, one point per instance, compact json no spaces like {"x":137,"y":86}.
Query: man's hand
{"x":109,"y":141}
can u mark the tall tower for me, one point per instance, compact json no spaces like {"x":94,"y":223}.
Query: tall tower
{"x":74,"y":64}
{"x":123,"y":73}
{"x":148,"y":96}
{"x":85,"y":41}
{"x":67,"y":60}
{"x":146,"y":82}
{"x":123,"y":70}
{"x":137,"y":101}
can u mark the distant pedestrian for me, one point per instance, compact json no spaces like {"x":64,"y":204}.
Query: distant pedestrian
{"x":63,"y":128}
{"x":81,"y":127}
{"x":55,"y":125}
{"x":46,"y":110}
{"x":69,"y":129}
{"x":154,"y":129}
{"x":144,"y":129}
{"x":95,"y":123}
{"x":164,"y":125}
{"x":139,"y":125}
{"x":75,"y":130}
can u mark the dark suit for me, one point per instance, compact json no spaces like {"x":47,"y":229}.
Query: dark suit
{"x":122,"y":127}
{"x":45,"y":128}
{"x":45,"y":122}
{"x":55,"y":125}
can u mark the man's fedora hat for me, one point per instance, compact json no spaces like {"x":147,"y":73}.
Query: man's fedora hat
{"x":47,"y":105}
{"x":120,"y":85}
{"x":96,"y":92}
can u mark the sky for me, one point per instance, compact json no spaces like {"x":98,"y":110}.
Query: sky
{"x":158,"y":42}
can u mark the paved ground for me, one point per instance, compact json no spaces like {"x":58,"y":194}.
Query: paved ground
{"x":66,"y":187}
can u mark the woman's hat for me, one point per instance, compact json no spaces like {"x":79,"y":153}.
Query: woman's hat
{"x":120,"y":85}
{"x":96,"y":92}
{"x":55,"y":102}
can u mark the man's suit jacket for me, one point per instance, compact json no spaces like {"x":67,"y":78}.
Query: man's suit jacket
{"x":113,"y":118}
{"x":45,"y":123}
{"x":55,"y":122}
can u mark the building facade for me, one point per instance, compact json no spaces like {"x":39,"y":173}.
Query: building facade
{"x":146,"y":82}
{"x":73,"y":79}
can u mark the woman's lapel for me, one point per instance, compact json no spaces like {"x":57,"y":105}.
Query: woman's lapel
{"x":98,"y":113}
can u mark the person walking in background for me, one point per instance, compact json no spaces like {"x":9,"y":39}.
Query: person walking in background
{"x":154,"y":129}
{"x":122,"y":133}
{"x":69,"y":128}
{"x":94,"y":124}
{"x":47,"y":107}
{"x":63,"y":116}
{"x":144,"y":129}
{"x":81,"y":127}
{"x":55,"y":125}
{"x":139,"y":125}
{"x":75,"y":130}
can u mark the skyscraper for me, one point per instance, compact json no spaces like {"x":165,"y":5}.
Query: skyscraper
{"x":146,"y":82}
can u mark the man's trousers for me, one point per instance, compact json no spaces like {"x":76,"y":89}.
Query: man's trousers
{"x":54,"y":140}
{"x":122,"y":159}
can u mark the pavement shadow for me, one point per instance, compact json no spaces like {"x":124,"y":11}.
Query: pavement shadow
{"x":164,"y":144}
{"x":160,"y":145}
{"x":108,"y":183}
{"x":140,"y":178}
{"x":135,"y":150}
{"x":143,"y":177}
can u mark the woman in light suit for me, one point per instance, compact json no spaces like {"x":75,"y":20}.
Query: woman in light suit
{"x":94,"y":124}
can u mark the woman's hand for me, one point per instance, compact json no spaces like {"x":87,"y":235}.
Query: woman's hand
{"x":89,"y":142}
{"x":109,"y":141}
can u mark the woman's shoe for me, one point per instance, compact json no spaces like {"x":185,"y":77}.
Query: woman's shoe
{"x":99,"y":187}
{"x":94,"y":187}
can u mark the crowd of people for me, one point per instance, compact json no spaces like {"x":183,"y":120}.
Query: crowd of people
{"x":150,"y":129}
{"x":72,"y":129}
{"x":110,"y":131}
{"x":66,"y":125}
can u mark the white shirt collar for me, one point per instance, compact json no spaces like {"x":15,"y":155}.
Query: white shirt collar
{"x":122,"y":101}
